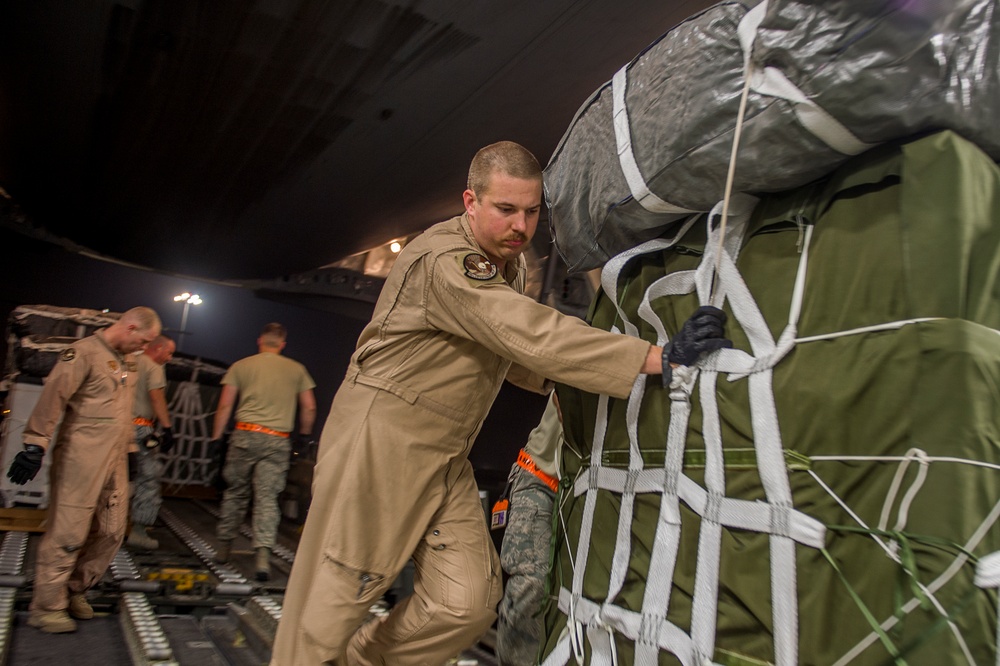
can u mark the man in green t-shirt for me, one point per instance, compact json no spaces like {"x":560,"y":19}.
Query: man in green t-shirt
{"x":269,"y":388}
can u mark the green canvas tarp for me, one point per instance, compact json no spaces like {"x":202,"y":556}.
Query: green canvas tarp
{"x":820,"y":494}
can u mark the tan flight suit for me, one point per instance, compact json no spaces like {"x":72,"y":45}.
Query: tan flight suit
{"x":91,"y":389}
{"x":393,"y":481}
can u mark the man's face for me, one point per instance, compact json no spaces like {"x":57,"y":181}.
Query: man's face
{"x":136,"y":339}
{"x":505,"y":217}
{"x":162,"y":353}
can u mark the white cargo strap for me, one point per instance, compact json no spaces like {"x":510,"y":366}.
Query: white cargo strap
{"x":649,"y":629}
{"x":988,"y":576}
{"x":626,"y":156}
{"x":772,"y":82}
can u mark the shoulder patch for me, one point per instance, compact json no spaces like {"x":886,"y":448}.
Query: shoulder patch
{"x":68,"y":354}
{"x":478,"y":267}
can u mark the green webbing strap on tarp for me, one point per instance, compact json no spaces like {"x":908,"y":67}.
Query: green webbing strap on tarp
{"x":876,"y":627}
{"x":908,"y":563}
{"x":735,"y":459}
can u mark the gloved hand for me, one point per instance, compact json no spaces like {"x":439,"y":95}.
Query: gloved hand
{"x":301,"y":443}
{"x":26,"y":464}
{"x":166,"y":439}
{"x":700,"y":334}
{"x":133,"y":465}
{"x":215,"y":449}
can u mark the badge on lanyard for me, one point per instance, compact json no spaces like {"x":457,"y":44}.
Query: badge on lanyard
{"x":498,"y":518}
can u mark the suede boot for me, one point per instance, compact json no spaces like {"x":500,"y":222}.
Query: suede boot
{"x":138,"y":539}
{"x":263,"y":568}
{"x":54,"y":622}
{"x":79,"y":607}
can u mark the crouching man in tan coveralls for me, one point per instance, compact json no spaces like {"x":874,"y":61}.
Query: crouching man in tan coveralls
{"x":392,"y":480}
{"x":91,"y":388}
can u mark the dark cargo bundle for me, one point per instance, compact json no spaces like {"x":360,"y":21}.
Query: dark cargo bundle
{"x":828,"y":80}
{"x":821,"y":493}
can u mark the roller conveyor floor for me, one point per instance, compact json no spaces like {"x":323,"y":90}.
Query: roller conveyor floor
{"x":174,"y":606}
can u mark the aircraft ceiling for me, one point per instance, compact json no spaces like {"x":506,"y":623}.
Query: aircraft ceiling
{"x":253,"y":139}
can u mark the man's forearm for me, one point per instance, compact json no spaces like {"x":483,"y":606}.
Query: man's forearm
{"x":653,"y":365}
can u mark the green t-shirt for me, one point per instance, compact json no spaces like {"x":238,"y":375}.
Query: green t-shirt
{"x":268,"y":385}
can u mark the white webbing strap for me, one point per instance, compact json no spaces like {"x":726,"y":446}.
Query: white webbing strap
{"x":988,"y":576}
{"x":613,"y":268}
{"x":626,"y":155}
{"x":772,"y":82}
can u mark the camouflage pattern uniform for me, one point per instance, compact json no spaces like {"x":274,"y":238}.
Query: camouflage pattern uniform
{"x":257,"y":462}
{"x":526,"y":549}
{"x":147,"y":499}
{"x":254,"y":455}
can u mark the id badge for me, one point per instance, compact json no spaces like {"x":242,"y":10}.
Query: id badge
{"x":498,"y":518}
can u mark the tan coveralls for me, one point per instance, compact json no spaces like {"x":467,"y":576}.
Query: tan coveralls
{"x":91,"y":389}
{"x":393,"y":480}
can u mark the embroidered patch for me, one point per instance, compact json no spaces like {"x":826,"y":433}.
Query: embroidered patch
{"x":113,"y":365}
{"x":68,"y":354}
{"x":478,"y":267}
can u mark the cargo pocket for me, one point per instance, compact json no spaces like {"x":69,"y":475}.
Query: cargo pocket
{"x":115,"y":514}
{"x":339,"y":599}
{"x":466,"y":568}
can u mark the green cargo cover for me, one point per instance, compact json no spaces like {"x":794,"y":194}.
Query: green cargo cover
{"x":880,"y":430}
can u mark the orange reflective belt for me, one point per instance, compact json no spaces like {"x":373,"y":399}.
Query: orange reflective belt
{"x":139,"y":421}
{"x":253,"y":427}
{"x":525,"y":462}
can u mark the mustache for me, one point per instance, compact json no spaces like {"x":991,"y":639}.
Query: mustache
{"x":517,"y":237}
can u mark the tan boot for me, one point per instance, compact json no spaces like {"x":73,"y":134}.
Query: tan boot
{"x":222,"y":552}
{"x":263,"y":568}
{"x":52,"y":622}
{"x":79,"y":607}
{"x":139,"y":540}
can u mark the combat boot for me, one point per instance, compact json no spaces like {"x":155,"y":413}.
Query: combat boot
{"x":138,"y":539}
{"x":263,"y":571}
{"x":52,"y":622}
{"x":222,"y":552}
{"x":79,"y":607}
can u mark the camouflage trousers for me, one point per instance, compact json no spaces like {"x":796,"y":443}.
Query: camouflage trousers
{"x":257,"y":465}
{"x":146,"y":499}
{"x":525,"y":557}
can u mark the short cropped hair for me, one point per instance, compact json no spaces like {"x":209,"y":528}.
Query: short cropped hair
{"x":274,"y":333}
{"x":144,"y":318}
{"x":506,"y":157}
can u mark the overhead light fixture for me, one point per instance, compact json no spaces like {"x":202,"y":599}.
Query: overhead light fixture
{"x":395,"y":247}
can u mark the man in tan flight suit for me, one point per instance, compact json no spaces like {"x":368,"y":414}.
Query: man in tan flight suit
{"x":270,"y":387}
{"x":392,"y":480}
{"x":91,"y":389}
{"x":150,"y":410}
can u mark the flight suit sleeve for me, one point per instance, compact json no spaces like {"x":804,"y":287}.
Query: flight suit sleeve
{"x":62,"y":383}
{"x":556,"y":346}
{"x":522,"y":377}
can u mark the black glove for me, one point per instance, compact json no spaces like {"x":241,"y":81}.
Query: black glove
{"x":133,"y":465}
{"x":216,"y":449}
{"x":700,"y":334}
{"x":166,"y":440}
{"x":300,"y":444}
{"x":26,"y":464}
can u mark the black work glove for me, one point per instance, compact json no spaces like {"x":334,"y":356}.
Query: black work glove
{"x":133,"y":465}
{"x":700,"y":334}
{"x":300,"y":444}
{"x":166,"y":440}
{"x":26,"y":464}
{"x":216,"y":450}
